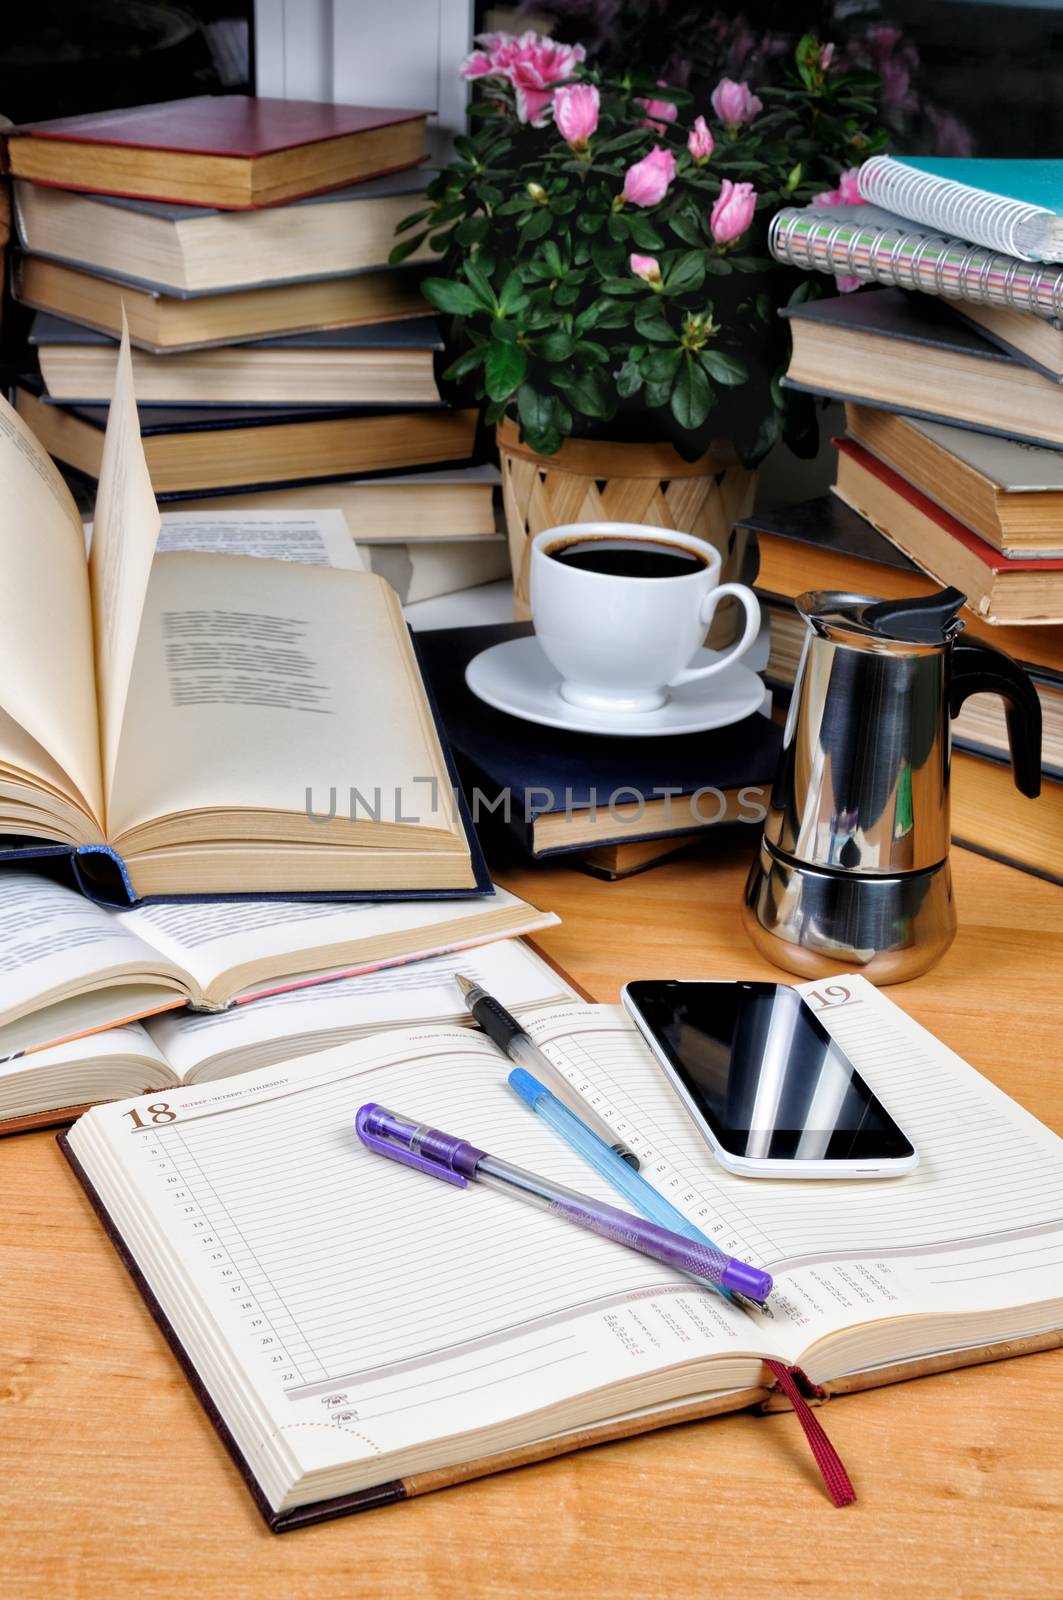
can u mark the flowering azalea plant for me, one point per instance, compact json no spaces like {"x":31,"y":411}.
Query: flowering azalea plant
{"x":603,"y":243}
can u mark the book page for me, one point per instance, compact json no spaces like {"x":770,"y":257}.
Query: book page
{"x":295,"y":1021}
{"x":46,"y":654}
{"x":369,"y":1307}
{"x":317,"y":537}
{"x":124,"y":531}
{"x":239,"y":658}
{"x":53,"y":941}
{"x":105,"y":1066}
{"x":212,"y":938}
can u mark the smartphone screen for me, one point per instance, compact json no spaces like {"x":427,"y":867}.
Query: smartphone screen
{"x":765,"y":1075}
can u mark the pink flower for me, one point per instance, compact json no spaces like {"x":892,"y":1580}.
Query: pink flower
{"x":733,"y":211}
{"x":846,"y":194}
{"x":660,"y":111}
{"x":527,"y":62}
{"x":734,"y":103}
{"x":700,"y":142}
{"x":576,"y":113}
{"x":846,"y":284}
{"x":646,"y":183}
{"x":826,"y":56}
{"x":648,"y":268}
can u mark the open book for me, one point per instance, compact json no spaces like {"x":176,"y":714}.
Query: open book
{"x":215,"y":724}
{"x":361,"y":1333}
{"x":55,"y":1084}
{"x":69,"y":967}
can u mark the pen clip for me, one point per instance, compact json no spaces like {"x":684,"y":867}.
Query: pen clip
{"x":396,"y":1137}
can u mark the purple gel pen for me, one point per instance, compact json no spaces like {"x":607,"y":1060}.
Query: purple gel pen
{"x":458,"y":1162}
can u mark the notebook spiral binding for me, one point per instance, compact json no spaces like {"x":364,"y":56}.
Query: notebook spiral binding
{"x":1001,"y":223}
{"x":912,"y":260}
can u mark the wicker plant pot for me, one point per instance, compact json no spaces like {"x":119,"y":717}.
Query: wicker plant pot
{"x":591,"y":480}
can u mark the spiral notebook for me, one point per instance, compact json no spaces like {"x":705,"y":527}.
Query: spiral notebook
{"x":1012,"y":206}
{"x":360,"y":1335}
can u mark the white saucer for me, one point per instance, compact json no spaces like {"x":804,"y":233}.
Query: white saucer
{"x":516,"y":677}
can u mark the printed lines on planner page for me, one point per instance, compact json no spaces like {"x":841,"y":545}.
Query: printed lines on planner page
{"x":987,"y":1169}
{"x":358,"y":1264}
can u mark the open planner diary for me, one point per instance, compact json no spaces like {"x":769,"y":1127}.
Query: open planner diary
{"x":144,"y":696}
{"x":306,"y":1014}
{"x":360,"y":1333}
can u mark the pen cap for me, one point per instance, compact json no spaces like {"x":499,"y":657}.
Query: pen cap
{"x":414,"y":1144}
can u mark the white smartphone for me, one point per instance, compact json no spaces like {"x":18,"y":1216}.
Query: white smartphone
{"x":764,"y":1082}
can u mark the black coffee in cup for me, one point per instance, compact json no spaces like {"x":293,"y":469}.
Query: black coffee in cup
{"x":627,"y":558}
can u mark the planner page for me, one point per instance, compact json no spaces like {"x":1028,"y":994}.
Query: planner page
{"x":344,"y":1309}
{"x":976,"y":1228}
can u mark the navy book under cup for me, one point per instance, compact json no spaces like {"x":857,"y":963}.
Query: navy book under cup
{"x":555,"y":791}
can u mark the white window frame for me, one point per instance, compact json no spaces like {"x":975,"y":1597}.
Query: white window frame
{"x":366,"y":52}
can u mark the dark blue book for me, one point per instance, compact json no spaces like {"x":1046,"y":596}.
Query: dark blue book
{"x":550,"y":790}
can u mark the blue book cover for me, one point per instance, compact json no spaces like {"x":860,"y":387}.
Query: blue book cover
{"x":1031,"y":183}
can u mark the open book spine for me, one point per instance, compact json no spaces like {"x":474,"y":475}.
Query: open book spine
{"x":914,"y":260}
{"x":994,"y":220}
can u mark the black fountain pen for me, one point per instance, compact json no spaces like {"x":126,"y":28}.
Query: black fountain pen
{"x":506,"y":1032}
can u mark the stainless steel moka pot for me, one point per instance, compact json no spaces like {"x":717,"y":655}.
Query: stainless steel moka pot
{"x":853,"y":869}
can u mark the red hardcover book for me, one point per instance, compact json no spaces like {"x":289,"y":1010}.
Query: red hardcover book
{"x":231,"y":151}
{"x":999,"y":588}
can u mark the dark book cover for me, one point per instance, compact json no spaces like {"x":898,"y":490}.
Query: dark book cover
{"x":546,"y":770}
{"x":178,"y":420}
{"x":236,"y":125}
{"x":829,"y":524}
{"x":895,"y":314}
{"x":413,"y":333}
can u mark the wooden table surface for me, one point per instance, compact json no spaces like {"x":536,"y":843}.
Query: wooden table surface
{"x":113,"y":1483}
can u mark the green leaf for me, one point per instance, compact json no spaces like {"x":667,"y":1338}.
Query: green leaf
{"x":687,"y":273}
{"x":552,"y":257}
{"x":457,"y":299}
{"x":504,"y":369}
{"x":480,"y":283}
{"x":566,"y":295}
{"x":625,"y":286}
{"x":612,"y":313}
{"x":687,"y":230}
{"x":651,"y":323}
{"x":465,"y":364}
{"x":472,"y":230}
{"x":661,"y":364}
{"x":657,"y":393}
{"x":628,"y":380}
{"x":590,"y":221}
{"x":644,"y":234}
{"x":725,"y":369}
{"x":412,"y":220}
{"x":608,"y":258}
{"x":536,"y":410}
{"x":618,"y":227}
{"x":585,"y":391}
{"x":538,"y":223}
{"x":406,"y":248}
{"x":512,"y":296}
{"x":692,"y":395}
{"x":556,"y":347}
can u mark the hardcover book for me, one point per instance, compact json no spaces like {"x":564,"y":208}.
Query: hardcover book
{"x":232,"y":151}
{"x":374,"y":364}
{"x":194,"y":449}
{"x":164,"y":323}
{"x":909,"y":353}
{"x":201,"y":720}
{"x":190,"y":250}
{"x":1024,"y":591}
{"x":554,"y":791}
{"x":299,"y":1014}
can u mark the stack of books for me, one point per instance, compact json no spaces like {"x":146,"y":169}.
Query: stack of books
{"x":950,"y":470}
{"x":276,"y":353}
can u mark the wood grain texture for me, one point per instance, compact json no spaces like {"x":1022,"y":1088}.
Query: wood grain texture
{"x":115,"y":1484}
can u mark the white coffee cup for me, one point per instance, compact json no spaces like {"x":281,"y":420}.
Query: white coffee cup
{"x":619,"y":642}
